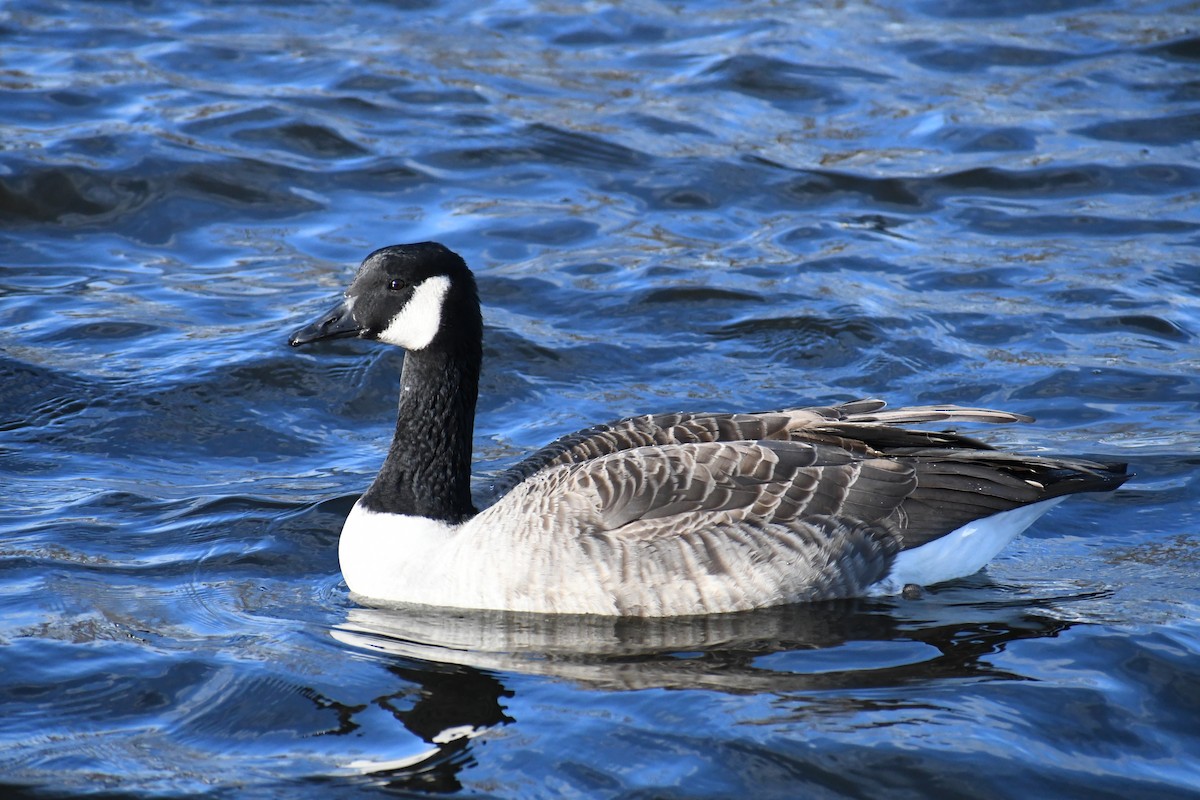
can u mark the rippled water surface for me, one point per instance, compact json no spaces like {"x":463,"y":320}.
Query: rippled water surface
{"x":669,"y":206}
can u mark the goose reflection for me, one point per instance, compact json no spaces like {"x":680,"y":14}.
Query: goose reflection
{"x":811,"y":657}
{"x":453,"y":704}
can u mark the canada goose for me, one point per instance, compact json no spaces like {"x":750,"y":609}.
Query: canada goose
{"x":662,"y":515}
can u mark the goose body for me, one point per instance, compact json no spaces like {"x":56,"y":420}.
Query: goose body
{"x":664,"y":515}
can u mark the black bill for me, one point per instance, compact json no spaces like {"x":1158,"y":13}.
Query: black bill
{"x":337,"y":323}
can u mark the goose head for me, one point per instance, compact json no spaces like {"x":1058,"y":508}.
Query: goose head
{"x":415,"y":296}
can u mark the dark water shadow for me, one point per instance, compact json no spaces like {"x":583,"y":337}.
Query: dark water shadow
{"x":816,"y":659}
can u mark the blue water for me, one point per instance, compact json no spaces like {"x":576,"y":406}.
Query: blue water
{"x":669,"y":206}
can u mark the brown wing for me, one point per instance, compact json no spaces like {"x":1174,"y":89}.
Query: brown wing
{"x":862,"y":426}
{"x":918,"y":496}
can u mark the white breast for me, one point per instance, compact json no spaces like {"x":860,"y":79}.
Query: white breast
{"x":480,"y":564}
{"x":382,"y":555}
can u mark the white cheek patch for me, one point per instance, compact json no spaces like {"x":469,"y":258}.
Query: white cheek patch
{"x":418,"y":322}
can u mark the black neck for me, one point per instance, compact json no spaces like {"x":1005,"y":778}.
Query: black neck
{"x":428,"y":468}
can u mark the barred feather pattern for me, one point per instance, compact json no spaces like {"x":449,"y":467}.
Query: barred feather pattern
{"x":856,"y":426}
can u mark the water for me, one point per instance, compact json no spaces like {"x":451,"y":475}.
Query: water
{"x":711,"y":206}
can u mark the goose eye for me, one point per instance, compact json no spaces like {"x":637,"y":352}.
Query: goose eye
{"x":397,"y":284}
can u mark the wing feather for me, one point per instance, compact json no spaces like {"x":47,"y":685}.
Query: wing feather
{"x":677,"y":514}
{"x":862,"y":426}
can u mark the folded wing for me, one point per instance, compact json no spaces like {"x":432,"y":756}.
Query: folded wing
{"x":687,"y":528}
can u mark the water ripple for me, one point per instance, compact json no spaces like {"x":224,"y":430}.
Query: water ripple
{"x":705,"y":207}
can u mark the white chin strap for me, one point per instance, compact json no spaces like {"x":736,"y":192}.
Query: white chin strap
{"x":418,"y":322}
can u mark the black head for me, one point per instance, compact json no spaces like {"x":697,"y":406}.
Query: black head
{"x":414,"y":296}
